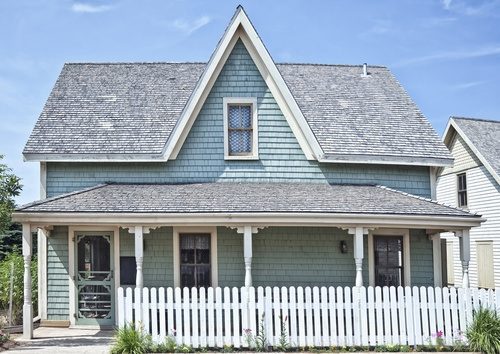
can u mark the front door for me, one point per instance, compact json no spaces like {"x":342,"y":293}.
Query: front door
{"x":94,"y":278}
{"x":389,"y":263}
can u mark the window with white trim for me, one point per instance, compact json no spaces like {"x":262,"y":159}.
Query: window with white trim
{"x":462,"y":189}
{"x":195,"y":263}
{"x":240,"y":128}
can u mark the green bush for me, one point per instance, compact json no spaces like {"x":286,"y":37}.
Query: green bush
{"x":483,"y":333}
{"x":16,"y":258}
{"x":129,"y":340}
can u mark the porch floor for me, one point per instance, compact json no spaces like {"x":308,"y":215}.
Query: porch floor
{"x":65,"y":340}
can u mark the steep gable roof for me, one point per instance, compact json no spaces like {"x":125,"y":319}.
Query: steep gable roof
{"x":483,"y":138}
{"x":144,"y":111}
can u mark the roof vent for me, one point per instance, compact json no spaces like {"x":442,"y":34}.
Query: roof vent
{"x":365,"y":69}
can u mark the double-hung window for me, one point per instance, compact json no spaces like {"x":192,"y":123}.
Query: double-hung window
{"x":240,"y":128}
{"x":195,"y":262}
{"x":462,"y":190}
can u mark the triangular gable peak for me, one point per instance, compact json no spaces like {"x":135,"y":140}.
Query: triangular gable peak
{"x":240,"y":27}
{"x":453,"y":128}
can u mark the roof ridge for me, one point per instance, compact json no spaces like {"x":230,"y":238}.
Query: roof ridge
{"x":427,"y":200}
{"x":60,"y":196}
{"x":476,"y":119}
{"x":204,"y":63}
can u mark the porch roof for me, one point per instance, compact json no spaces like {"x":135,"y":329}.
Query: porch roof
{"x":242,"y":197}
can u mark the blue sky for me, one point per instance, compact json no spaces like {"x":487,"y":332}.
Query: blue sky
{"x":445,"y":53}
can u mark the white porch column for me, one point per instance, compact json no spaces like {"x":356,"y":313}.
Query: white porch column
{"x":464,"y":238}
{"x":28,"y":306}
{"x":358,"y":233}
{"x":436,"y":258}
{"x":139,"y":256}
{"x":247,"y":254}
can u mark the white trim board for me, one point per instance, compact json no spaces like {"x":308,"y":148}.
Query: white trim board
{"x":212,"y":230}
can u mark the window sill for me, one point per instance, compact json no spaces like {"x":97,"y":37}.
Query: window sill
{"x":241,"y":157}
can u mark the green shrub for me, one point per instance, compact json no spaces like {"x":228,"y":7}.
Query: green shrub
{"x":129,"y":340}
{"x":483,"y":333}
{"x":16,"y":258}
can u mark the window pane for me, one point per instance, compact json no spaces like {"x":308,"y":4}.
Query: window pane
{"x":187,"y":276}
{"x":239,"y":116}
{"x":240,"y":141}
{"x":203,"y":276}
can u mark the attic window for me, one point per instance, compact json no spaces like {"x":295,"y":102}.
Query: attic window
{"x":240,"y":128}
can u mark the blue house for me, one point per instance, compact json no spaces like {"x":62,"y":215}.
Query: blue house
{"x":235,"y":172}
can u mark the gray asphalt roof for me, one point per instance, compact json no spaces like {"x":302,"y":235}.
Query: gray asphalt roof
{"x":132,"y":108}
{"x":485,"y":136}
{"x":233,"y":197}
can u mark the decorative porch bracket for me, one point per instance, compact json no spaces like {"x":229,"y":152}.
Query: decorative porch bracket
{"x":28,"y":306}
{"x":358,"y":233}
{"x":464,"y":239}
{"x":247,"y":232}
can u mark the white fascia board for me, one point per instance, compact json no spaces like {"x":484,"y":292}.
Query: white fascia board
{"x":485,"y":162}
{"x":387,"y":160}
{"x":94,"y":157}
{"x":241,"y":27}
{"x":254,"y":219}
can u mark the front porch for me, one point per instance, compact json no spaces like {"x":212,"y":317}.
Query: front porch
{"x":203,"y":236}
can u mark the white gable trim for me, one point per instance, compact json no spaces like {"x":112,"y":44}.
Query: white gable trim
{"x":241,"y":28}
{"x":448,"y":136}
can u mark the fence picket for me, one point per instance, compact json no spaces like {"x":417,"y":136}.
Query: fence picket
{"x":260,"y":310}
{"x":284,"y":312}
{"x":419,"y":340}
{"x":252,"y":313}
{"x":300,"y":310}
{"x":218,"y":317}
{"x":448,"y":329}
{"x":244,"y":315}
{"x":128,"y":307}
{"x":439,"y":312}
{"x":178,"y":316}
{"x":203,"y":318}
{"x":387,"y":315}
{"x":372,"y":335}
{"x":325,"y":342}
{"x":317,"y":317}
{"x":276,"y":313}
{"x":145,"y":309}
{"x":380,"y":316}
{"x":236,"y":318}
{"x":309,"y":318}
{"x":170,"y":313}
{"x":121,"y":308}
{"x":454,"y":313}
{"x":340,"y":316}
{"x":268,"y":315}
{"x":293,"y":317}
{"x":356,"y":316}
{"x":363,"y":317}
{"x":154,"y":315}
{"x":161,"y":310}
{"x":348,"y":315}
{"x":412,"y":310}
{"x":194,"y":316}
{"x":211,"y":317}
{"x":137,"y":308}
{"x":227,"y":317}
{"x":432,"y":315}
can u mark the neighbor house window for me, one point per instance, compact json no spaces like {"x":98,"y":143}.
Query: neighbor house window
{"x":195,"y":262}
{"x":240,"y":125}
{"x":462,"y":190}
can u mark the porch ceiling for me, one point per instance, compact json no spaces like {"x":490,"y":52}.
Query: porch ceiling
{"x":236,"y":202}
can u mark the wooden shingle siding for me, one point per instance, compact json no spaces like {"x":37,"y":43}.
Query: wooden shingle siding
{"x":57,"y":274}
{"x":463,"y":155}
{"x":421,"y":261}
{"x":201,"y":158}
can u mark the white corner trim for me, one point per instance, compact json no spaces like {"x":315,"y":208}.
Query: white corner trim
{"x":252,"y":102}
{"x":212,"y":230}
{"x":43,"y":180}
{"x":446,"y":138}
{"x":241,"y":27}
{"x":406,"y":252}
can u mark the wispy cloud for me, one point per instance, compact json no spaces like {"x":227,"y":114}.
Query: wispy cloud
{"x":480,"y":8}
{"x":89,"y":8}
{"x":189,"y":27}
{"x":467,"y":85}
{"x":432,"y":22}
{"x":453,"y":55}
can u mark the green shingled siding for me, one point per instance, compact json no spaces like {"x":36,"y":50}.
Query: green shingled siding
{"x":422,"y":266}
{"x":201,"y":159}
{"x":286,"y":256}
{"x":158,"y":255}
{"x":57,"y":274}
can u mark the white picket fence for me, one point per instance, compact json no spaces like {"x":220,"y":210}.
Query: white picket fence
{"x":319,"y":317}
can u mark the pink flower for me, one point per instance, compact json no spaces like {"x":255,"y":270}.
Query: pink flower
{"x":439,"y":334}
{"x":247,"y":331}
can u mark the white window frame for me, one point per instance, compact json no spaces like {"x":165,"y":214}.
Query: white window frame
{"x":213,"y":251}
{"x":406,"y":252}
{"x":252,"y":101}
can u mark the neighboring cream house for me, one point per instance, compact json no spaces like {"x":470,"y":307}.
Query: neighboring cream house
{"x":473,"y":183}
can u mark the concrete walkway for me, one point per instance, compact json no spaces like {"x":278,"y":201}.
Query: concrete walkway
{"x":65,"y":340}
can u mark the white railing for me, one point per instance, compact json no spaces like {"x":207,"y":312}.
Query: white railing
{"x":319,"y":317}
